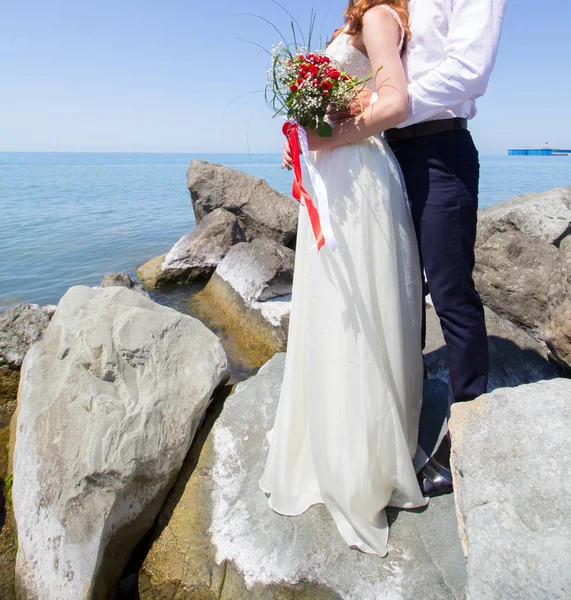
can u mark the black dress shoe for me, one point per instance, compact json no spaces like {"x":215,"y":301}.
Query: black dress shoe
{"x":434,"y":479}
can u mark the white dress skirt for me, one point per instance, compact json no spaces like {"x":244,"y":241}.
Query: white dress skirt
{"x":346,"y":428}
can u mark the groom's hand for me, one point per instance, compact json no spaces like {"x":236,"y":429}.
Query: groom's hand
{"x":355,"y":108}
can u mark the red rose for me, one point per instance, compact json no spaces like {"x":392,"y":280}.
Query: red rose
{"x":326,"y":93}
{"x":315,"y":82}
{"x":300,"y":80}
{"x":294,"y":88}
{"x":301,"y":57}
{"x":334,"y":74}
{"x":313,"y":70}
{"x":326,"y":85}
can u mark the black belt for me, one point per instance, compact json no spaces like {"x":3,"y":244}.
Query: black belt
{"x":426,"y":128}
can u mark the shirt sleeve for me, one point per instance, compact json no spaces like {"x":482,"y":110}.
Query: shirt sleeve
{"x":471,"y":49}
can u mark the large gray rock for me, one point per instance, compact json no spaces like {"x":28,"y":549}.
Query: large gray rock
{"x":20,"y":327}
{"x":262,"y":211}
{"x":545,"y":216}
{"x":219,"y":539}
{"x":558,"y":331}
{"x":510,"y":456}
{"x":513,"y":273}
{"x":197,"y":254}
{"x":109,"y":402}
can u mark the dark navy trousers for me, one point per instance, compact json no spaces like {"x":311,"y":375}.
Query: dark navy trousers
{"x":442,"y":173}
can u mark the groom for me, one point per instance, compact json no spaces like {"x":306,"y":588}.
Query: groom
{"x":448,"y":61}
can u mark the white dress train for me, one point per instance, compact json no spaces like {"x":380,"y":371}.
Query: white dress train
{"x":346,"y":428}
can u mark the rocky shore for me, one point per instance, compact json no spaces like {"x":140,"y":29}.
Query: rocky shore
{"x":131,"y":466}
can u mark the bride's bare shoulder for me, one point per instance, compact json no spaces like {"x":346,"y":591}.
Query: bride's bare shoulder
{"x":381,"y":20}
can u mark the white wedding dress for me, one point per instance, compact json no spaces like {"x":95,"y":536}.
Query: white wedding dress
{"x":346,"y":428}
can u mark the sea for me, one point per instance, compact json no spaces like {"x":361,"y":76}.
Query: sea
{"x":70,"y":218}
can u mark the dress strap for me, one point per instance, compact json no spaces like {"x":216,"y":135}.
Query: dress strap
{"x":395,"y":14}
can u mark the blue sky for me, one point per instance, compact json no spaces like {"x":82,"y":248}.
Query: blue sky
{"x":142,"y":75}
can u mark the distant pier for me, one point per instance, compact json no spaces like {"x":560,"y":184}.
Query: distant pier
{"x":538,"y":152}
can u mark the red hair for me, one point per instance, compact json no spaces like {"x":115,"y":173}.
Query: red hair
{"x":356,"y":9}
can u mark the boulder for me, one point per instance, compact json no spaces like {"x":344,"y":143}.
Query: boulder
{"x":109,"y":402}
{"x":217,"y":537}
{"x":197,"y":254}
{"x":557,"y":333}
{"x":516,"y":357}
{"x":258,"y":271}
{"x":249,"y":296}
{"x":20,"y":327}
{"x":122,"y":280}
{"x":545,"y":216}
{"x":150,"y":272}
{"x":513,"y":273}
{"x":510,"y":453}
{"x":262,"y":211}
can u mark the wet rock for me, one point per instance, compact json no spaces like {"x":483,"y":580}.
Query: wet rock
{"x":150,"y":272}
{"x":249,"y":295}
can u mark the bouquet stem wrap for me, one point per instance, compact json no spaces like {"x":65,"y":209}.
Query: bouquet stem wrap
{"x":318,"y":216}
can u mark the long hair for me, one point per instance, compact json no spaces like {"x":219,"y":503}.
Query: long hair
{"x":357,"y":8}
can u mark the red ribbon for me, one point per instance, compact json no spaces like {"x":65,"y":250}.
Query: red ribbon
{"x":291,"y":131}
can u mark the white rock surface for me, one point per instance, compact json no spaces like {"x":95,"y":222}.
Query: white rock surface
{"x":258,"y":271}
{"x":109,"y":403}
{"x":511,"y":466}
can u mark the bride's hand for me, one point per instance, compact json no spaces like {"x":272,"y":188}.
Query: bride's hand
{"x":355,"y":108}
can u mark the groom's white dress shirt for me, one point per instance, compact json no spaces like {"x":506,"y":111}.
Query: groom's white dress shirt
{"x":450,"y":56}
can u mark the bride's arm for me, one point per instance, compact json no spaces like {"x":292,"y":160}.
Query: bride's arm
{"x":381,"y":37}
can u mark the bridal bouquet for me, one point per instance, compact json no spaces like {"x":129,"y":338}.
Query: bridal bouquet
{"x":304,"y":86}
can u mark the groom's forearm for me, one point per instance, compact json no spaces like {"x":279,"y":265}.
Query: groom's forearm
{"x":471,"y":50}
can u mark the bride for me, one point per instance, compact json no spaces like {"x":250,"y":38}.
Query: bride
{"x":346,"y":428}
